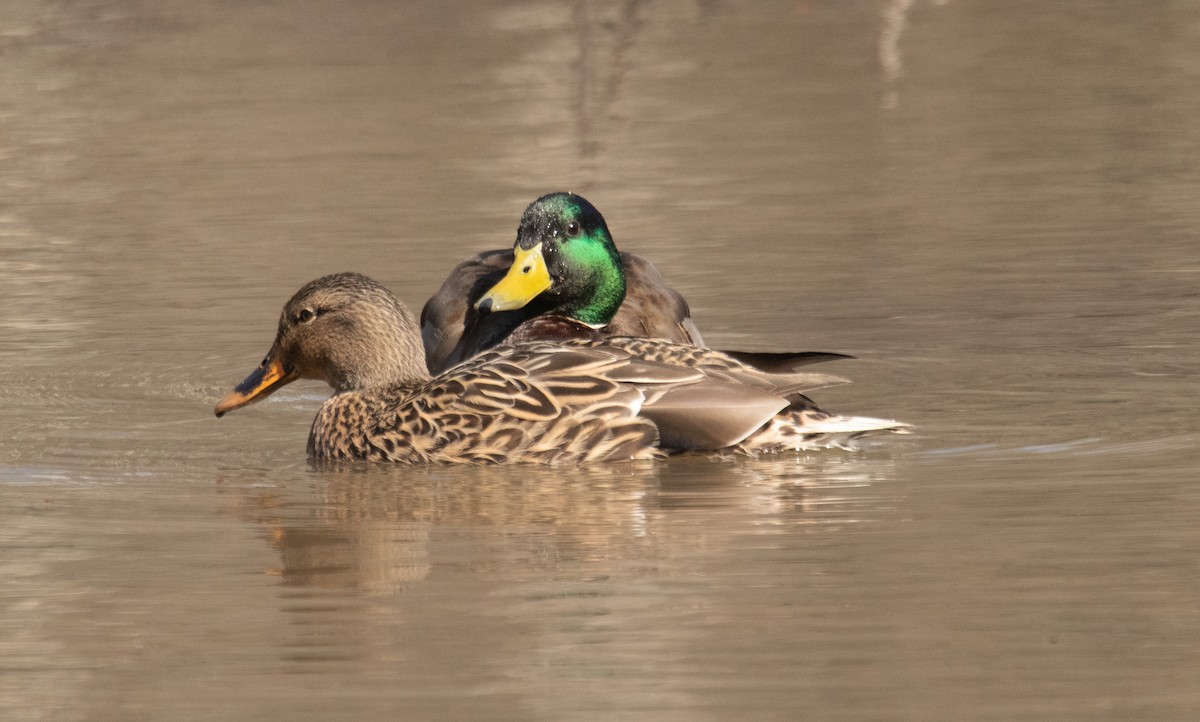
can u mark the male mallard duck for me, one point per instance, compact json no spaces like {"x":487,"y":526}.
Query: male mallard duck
{"x":539,"y":401}
{"x":569,"y":282}
{"x":625,"y":295}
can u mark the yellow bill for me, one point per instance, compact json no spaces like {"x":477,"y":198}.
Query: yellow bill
{"x":526,"y":279}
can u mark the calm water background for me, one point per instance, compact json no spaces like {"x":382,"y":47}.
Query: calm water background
{"x":993,"y":205}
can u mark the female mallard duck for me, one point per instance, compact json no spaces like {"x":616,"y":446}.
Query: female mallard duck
{"x":579,"y":400}
{"x":625,"y":295}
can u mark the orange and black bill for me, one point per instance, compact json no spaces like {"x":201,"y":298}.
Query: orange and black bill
{"x":265,"y":380}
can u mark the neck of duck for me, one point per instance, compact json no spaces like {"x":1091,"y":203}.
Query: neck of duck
{"x":596,"y":290}
{"x":386,"y":358}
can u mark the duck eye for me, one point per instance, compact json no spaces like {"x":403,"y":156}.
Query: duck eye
{"x":305,"y":315}
{"x":572,"y":229}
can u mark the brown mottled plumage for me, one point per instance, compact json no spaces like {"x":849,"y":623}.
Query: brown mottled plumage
{"x":548,"y":402}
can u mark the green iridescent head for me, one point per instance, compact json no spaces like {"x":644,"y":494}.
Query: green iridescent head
{"x":565,"y":254}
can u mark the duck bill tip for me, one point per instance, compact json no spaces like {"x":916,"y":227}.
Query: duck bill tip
{"x":232,"y":400}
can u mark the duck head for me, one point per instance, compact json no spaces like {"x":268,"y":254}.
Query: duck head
{"x":344,"y":329}
{"x":565,"y":254}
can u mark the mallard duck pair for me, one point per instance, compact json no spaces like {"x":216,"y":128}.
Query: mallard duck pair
{"x":560,"y":388}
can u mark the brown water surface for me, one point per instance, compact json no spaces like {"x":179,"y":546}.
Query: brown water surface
{"x":993,"y":205}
